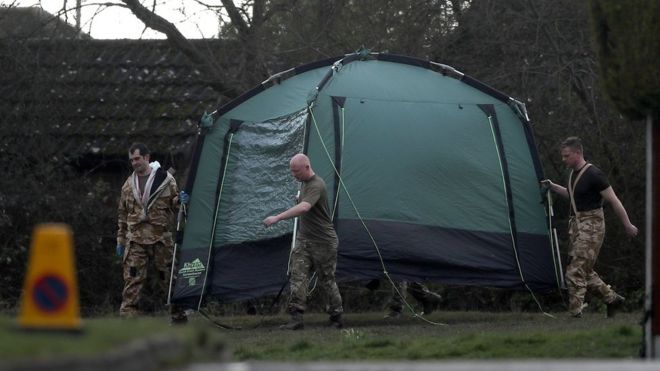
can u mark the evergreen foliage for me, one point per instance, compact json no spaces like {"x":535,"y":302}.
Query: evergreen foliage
{"x":627,"y":38}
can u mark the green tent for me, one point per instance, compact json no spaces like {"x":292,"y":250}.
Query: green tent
{"x":433,"y":176}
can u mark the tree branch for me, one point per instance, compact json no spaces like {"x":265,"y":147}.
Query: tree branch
{"x":235,"y":16}
{"x":277,"y":7}
{"x":176,"y":39}
{"x":258,"y":9}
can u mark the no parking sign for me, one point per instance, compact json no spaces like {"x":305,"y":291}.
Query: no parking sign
{"x":50,"y":292}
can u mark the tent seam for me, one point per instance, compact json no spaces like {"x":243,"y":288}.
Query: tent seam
{"x":215,"y":222}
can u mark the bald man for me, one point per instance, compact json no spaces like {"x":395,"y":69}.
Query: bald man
{"x":316,"y":245}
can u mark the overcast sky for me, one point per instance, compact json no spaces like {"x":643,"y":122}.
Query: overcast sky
{"x":192,"y":19}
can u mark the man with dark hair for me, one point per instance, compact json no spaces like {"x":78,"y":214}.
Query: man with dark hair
{"x":146,"y":210}
{"x":315,"y":247}
{"x":587,"y":188}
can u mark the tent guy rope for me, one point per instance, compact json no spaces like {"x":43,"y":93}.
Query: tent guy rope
{"x":373,"y":240}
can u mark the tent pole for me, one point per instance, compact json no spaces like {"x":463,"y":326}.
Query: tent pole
{"x":179,"y":218}
{"x":506,"y":197}
{"x":652,"y":296}
{"x":554,"y":242}
{"x":293,"y":238}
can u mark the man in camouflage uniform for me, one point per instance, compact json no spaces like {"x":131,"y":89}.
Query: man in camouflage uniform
{"x":315,"y":247}
{"x":587,"y":189}
{"x":146,"y":208}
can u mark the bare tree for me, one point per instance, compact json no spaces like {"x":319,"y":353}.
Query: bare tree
{"x":158,"y":23}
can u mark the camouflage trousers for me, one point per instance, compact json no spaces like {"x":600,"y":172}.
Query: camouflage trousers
{"x":321,"y":258}
{"x":586,"y":233}
{"x":137,"y":260}
{"x":418,"y":290}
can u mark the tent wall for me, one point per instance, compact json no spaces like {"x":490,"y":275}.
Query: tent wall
{"x":443,"y":174}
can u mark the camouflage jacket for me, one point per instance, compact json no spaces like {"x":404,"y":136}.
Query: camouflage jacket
{"x":150,"y":223}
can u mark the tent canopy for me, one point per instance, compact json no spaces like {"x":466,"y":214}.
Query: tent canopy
{"x":431,"y":175}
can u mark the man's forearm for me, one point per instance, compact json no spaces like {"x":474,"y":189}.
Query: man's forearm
{"x":620,"y":211}
{"x":293,"y":212}
{"x":562,"y":191}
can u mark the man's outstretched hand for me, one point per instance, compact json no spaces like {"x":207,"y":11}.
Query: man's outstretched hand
{"x":270,"y":221}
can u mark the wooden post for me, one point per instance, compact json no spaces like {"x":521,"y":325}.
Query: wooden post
{"x":652,"y":305}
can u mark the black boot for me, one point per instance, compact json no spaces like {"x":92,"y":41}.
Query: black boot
{"x":615,"y":305}
{"x":296,"y":322}
{"x":430,"y":302}
{"x":393,"y":313}
{"x":178,"y":316}
{"x":336,"y":321}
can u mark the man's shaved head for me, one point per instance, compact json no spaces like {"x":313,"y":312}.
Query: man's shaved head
{"x":300,"y":167}
{"x":299,"y":159}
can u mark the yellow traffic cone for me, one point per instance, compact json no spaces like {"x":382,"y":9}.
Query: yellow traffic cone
{"x":50,"y":291}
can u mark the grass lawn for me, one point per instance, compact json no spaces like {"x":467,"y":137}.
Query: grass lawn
{"x":466,"y":335}
{"x":99,"y":336}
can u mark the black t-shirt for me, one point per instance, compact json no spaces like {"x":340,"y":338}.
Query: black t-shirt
{"x":587,"y":190}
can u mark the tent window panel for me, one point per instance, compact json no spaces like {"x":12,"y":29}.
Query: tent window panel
{"x":439,"y":168}
{"x":258,"y":182}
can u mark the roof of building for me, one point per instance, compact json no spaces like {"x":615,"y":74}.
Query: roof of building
{"x":101,"y":95}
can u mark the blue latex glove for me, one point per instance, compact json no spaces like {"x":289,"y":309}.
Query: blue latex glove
{"x":184,"y":198}
{"x":120,"y":250}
